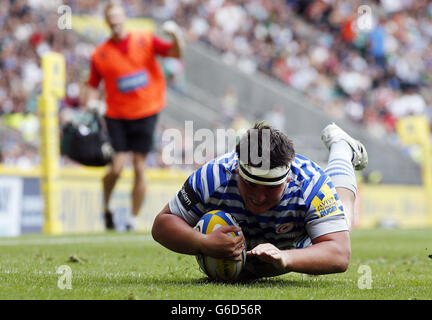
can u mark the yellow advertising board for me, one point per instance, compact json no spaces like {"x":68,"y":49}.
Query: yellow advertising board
{"x":81,"y":198}
{"x":404,"y":205}
{"x":413,"y":129}
{"x":96,"y":28}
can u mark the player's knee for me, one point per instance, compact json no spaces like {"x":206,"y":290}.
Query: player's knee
{"x":139,"y":166}
{"x":139,"y":173}
{"x":113,"y":174}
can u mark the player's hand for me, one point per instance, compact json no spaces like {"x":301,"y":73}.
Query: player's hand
{"x":270,"y":254}
{"x":220,"y":244}
{"x":95,"y":105}
{"x":172,"y":29}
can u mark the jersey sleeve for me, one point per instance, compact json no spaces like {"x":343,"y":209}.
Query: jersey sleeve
{"x":161,"y":47}
{"x":186,"y":203}
{"x":190,"y":203}
{"x":94,"y":76}
{"x":325,"y":214}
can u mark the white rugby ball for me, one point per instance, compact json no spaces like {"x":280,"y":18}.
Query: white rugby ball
{"x":219,"y":268}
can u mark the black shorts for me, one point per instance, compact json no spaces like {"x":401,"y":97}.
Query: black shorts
{"x":132,"y":135}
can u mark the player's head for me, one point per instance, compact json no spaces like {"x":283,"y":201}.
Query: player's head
{"x":115,"y":17}
{"x":265,"y":156}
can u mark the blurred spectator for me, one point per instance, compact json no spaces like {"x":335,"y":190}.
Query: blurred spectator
{"x":377,"y":38}
{"x":328,"y":58}
{"x":409,"y":103}
{"x":275,"y":117}
{"x":229,"y":105}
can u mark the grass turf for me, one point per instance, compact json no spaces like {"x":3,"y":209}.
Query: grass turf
{"x":133,"y":266}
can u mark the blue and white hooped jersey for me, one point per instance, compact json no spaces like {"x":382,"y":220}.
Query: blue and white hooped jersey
{"x":309,"y":207}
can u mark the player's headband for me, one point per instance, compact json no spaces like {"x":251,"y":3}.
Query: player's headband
{"x":268,"y":177}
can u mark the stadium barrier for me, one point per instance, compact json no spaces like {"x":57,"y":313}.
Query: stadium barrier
{"x":80,"y":201}
{"x":96,"y":29}
{"x":402,"y":206}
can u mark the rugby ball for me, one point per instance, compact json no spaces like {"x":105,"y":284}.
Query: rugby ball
{"x":218,"y":268}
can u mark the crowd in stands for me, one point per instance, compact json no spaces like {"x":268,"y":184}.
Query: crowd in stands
{"x":28,"y":29}
{"x":372,"y":76}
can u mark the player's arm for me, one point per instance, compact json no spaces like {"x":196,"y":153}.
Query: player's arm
{"x":329,"y":253}
{"x":177,"y":45}
{"x":327,"y":227}
{"x":174,"y":233}
{"x":90,"y":94}
{"x":91,"y":91}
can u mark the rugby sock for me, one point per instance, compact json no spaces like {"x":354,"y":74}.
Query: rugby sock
{"x":132,"y":221}
{"x":340,"y":168}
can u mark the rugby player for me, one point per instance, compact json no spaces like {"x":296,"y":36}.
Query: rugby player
{"x":295,"y":217}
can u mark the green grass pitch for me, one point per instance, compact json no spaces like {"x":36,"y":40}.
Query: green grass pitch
{"x":133,"y":266}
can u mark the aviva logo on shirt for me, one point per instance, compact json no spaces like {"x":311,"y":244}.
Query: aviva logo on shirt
{"x":325,"y":202}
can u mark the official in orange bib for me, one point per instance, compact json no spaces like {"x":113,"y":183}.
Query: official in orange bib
{"x":135,"y":91}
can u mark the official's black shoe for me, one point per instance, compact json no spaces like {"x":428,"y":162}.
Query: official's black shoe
{"x":109,"y":221}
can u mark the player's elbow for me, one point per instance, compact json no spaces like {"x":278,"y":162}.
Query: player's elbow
{"x":174,"y":53}
{"x":343,"y":258}
{"x":154,"y":230}
{"x":157,"y":228}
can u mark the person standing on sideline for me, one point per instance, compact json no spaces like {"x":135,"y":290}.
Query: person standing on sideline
{"x":135,"y":91}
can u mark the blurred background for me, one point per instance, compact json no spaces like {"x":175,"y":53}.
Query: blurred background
{"x":297,"y":64}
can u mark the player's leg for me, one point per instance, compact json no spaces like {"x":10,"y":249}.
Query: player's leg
{"x":346,"y":154}
{"x":140,"y":140}
{"x":117,"y":133}
{"x":139,"y":188}
{"x":109,"y":181}
{"x":348,"y":201}
{"x":341,"y":171}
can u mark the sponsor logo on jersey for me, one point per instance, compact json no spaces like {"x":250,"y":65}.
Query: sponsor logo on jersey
{"x":284,"y":227}
{"x":187,"y":196}
{"x":325,"y":202}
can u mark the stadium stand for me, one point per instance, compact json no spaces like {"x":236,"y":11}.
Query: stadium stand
{"x":315,"y":47}
{"x":303,"y":120}
{"x":295,"y":57}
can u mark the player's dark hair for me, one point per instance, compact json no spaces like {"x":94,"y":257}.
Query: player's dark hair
{"x":281,"y":149}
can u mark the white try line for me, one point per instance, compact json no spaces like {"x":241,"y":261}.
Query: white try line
{"x":73,"y":240}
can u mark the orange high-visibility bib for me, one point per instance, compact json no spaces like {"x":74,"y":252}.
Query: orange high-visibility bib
{"x":134,"y":82}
